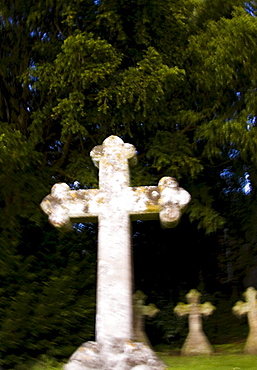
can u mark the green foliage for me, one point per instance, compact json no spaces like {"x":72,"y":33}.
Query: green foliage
{"x":219,"y":59}
{"x":201,"y":210}
{"x":47,"y":363}
{"x":225,"y":55}
{"x":174,"y":155}
{"x":83,"y":61}
{"x":146,"y":83}
{"x":47,"y":301}
{"x":166,"y":324}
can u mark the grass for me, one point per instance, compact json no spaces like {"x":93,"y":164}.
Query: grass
{"x":46,"y":363}
{"x":226,"y":357}
{"x":221,"y":362}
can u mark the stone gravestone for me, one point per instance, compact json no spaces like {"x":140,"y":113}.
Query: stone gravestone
{"x":196,"y":342}
{"x":140,"y":311}
{"x":250,"y":308}
{"x":114,"y":205}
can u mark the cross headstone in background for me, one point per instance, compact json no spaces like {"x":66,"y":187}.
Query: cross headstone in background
{"x":196,"y":342}
{"x":140,"y":311}
{"x":250,"y":309}
{"x":114,"y":205}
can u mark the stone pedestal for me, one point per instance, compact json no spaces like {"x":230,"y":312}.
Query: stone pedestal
{"x":122,"y":355}
{"x":197,"y":344}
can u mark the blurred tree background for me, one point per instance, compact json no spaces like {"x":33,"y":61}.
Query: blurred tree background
{"x":177,"y":79}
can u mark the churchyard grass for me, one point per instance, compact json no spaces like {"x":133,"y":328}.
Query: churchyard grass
{"x":222,"y":362}
{"x":226,"y":357}
{"x":46,"y":367}
{"x":46,"y":363}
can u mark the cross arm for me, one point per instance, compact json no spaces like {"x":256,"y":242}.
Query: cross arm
{"x":167,"y":201}
{"x":240,"y":308}
{"x":139,"y":300}
{"x":182,"y":309}
{"x":151,"y":310}
{"x":207,"y":308}
{"x":65,"y":206}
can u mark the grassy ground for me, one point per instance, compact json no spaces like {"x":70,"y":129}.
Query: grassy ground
{"x":222,"y":362}
{"x":226,"y":357}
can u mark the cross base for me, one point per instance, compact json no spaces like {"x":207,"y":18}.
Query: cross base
{"x":196,"y":344}
{"x":122,"y":355}
{"x":251,"y":343}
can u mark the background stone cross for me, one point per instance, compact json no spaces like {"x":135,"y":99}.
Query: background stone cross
{"x":140,"y":311}
{"x":250,"y":308}
{"x":113,"y":205}
{"x":196,"y":342}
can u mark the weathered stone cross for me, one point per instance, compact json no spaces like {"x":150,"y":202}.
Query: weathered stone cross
{"x":250,"y":308}
{"x":140,"y":311}
{"x":113,"y":205}
{"x":196,"y":342}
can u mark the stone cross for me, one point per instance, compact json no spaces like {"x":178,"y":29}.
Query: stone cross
{"x":114,"y":205}
{"x":250,"y":309}
{"x":196,"y":342}
{"x":140,"y":311}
